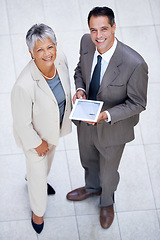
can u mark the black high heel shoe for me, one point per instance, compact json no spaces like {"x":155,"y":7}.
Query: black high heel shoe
{"x":50,"y":190}
{"x":37,"y":227}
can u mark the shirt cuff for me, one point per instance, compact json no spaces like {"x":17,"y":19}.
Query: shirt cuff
{"x":81,"y":89}
{"x":109,"y":117}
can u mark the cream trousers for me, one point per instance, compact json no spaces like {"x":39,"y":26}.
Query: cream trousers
{"x":37,"y":172}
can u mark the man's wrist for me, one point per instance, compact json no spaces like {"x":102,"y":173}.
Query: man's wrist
{"x":105,"y":116}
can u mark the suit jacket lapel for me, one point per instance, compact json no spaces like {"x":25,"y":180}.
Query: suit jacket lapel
{"x":112,"y":70}
{"x":88,"y":59}
{"x":41,"y":82}
{"x":110,"y":74}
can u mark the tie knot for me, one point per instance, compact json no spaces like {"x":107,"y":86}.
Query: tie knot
{"x":99,"y":58}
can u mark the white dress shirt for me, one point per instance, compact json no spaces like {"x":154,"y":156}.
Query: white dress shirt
{"x":105,"y":59}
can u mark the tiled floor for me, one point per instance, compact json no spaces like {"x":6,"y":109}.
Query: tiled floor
{"x":138,"y":196}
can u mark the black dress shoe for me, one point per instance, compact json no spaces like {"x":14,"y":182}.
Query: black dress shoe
{"x":50,"y":190}
{"x":37,"y":227}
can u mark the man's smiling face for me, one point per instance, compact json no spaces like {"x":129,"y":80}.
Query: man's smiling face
{"x":102,"y":33}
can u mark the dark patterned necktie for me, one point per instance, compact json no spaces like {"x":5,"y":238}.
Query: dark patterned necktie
{"x":95,"y":81}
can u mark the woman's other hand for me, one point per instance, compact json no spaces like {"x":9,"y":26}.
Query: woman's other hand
{"x":42,"y":149}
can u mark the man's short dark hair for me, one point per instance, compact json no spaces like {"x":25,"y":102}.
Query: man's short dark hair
{"x":102,"y":11}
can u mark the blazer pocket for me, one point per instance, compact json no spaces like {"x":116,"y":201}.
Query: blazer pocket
{"x":116,"y":85}
{"x":117,"y":92}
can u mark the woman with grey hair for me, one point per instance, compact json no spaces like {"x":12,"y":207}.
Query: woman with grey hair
{"x":41,"y":104}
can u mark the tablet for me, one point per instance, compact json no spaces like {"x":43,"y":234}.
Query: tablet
{"x":86,"y":110}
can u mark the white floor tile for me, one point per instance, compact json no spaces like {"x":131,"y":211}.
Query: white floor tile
{"x":89,"y":228}
{"x":23,"y":14}
{"x":20,"y":52}
{"x":60,"y":145}
{"x":68,"y":17}
{"x":158,"y":33}
{"x":76,"y":171}
{"x":133,"y":13}
{"x":150,"y":125}
{"x":155,"y":6}
{"x":158,"y":215}
{"x":4,"y":28}
{"x":71,"y":141}
{"x":134,"y":190}
{"x":59,"y":178}
{"x":13,"y":189}
{"x":153,"y":157}
{"x":138,"y":136}
{"x":144,"y":40}
{"x":59,"y":229}
{"x":118,"y":34}
{"x":69,"y":42}
{"x":17,"y":230}
{"x":139,"y":225}
{"x":7,"y":71}
{"x":88,"y":206}
{"x":7,"y":142}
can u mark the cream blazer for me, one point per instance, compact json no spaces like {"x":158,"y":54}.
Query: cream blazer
{"x":34,"y":107}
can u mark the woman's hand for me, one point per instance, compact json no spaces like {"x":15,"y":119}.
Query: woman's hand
{"x":42,"y":149}
{"x":80,"y":94}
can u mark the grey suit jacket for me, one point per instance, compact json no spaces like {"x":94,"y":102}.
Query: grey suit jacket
{"x":123,"y":90}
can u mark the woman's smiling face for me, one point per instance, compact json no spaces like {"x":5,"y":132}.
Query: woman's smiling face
{"x":102,"y":33}
{"x":44,"y":53}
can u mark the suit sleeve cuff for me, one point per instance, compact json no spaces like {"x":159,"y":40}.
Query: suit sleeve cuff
{"x":81,"y":89}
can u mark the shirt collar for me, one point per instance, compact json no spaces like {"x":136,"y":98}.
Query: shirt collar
{"x":107,"y":55}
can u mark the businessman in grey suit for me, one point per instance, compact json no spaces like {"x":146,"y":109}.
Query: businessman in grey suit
{"x":123,"y":77}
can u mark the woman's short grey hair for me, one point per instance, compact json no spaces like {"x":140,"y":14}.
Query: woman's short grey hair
{"x":41,"y":32}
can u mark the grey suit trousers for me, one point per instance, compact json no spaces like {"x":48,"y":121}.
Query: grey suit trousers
{"x":100,"y":164}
